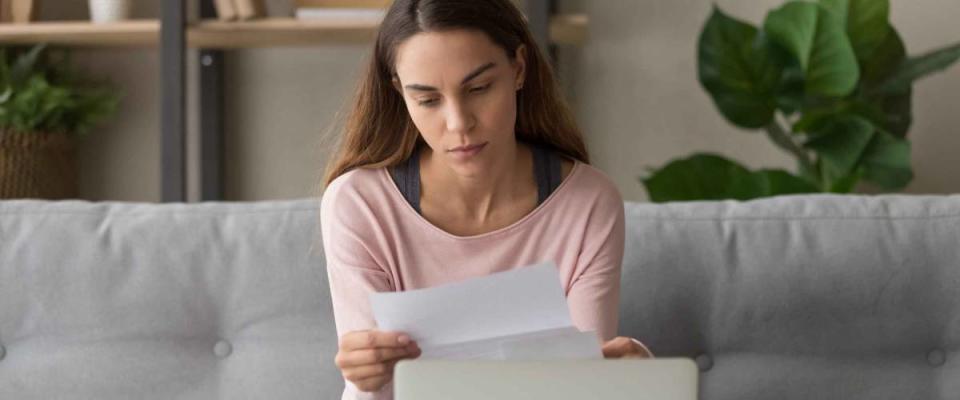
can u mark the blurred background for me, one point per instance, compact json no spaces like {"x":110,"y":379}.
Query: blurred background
{"x":632,"y":82}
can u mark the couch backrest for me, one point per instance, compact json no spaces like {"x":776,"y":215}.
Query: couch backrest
{"x":807,"y":297}
{"x":160,"y":301}
{"x":790,"y":298}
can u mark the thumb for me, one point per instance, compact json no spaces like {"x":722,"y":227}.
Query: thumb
{"x":617,"y":347}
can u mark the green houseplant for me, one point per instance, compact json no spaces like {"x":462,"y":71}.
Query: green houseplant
{"x":828,"y":81}
{"x":44,"y":106}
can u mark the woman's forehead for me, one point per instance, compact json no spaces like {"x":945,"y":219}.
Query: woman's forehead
{"x":448,"y":55}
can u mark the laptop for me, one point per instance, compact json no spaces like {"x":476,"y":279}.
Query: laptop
{"x":638,"y":379}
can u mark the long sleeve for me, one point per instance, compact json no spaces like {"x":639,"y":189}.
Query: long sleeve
{"x":594,"y":294}
{"x":352,"y":269}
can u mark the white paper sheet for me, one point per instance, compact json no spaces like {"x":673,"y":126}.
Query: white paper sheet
{"x":518,"y":314}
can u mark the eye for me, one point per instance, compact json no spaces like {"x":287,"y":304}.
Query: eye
{"x":480,"y":89}
{"x":427,"y":103}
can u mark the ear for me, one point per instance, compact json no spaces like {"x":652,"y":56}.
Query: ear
{"x":519,"y":63}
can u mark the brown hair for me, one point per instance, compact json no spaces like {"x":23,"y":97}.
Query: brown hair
{"x":379,"y":131}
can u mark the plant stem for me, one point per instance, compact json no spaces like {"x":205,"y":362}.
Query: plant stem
{"x":783,"y":140}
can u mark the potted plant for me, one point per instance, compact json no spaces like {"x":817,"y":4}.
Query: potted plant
{"x":106,"y":11}
{"x":828,"y":81}
{"x":44,"y":107}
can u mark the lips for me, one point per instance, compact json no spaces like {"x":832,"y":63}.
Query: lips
{"x":466,"y":153}
{"x":468,"y":147}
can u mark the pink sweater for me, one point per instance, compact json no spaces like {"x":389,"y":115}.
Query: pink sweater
{"x":374,"y":241}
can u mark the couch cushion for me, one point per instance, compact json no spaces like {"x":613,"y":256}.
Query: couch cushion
{"x":805,"y":297}
{"x":163,"y":301}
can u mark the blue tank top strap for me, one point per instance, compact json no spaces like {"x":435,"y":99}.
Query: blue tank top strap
{"x":407,"y":177}
{"x":555,"y":176}
{"x":541,"y":171}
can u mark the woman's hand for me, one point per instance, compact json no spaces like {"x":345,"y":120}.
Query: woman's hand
{"x":366,"y":358}
{"x":624,"y":347}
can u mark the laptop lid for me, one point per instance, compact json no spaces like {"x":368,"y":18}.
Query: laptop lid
{"x":639,"y":379}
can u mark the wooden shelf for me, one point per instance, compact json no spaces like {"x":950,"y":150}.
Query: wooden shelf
{"x":270,"y":32}
{"x":82,"y":33}
{"x":276,"y":32}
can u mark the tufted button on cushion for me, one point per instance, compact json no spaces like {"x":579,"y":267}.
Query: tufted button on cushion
{"x":704,"y":362}
{"x":3,"y":353}
{"x":936,"y":357}
{"x":222,"y":349}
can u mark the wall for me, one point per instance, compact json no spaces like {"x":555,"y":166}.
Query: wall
{"x":633,"y":86}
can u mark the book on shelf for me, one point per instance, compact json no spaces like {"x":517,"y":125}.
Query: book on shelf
{"x":373,"y":15}
{"x":343,"y":3}
{"x":6,"y":13}
{"x":17,"y":11}
{"x":249,"y":9}
{"x":225,"y":10}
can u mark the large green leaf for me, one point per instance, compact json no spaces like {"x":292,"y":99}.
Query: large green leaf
{"x":840,"y":145}
{"x":838,"y":7}
{"x":867,"y":23}
{"x":846,"y":184}
{"x":713,"y":177}
{"x":883,"y":61}
{"x":735,"y":69}
{"x":816,"y":37}
{"x":896,"y":111}
{"x":789,"y":93}
{"x":892,"y":109}
{"x":918,"y":67}
{"x":886,"y":162}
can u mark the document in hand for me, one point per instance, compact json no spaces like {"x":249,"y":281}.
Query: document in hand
{"x":520,"y":314}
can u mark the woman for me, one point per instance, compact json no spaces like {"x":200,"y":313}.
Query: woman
{"x":461,"y":159}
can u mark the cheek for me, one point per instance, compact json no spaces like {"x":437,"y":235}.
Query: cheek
{"x":501,"y":112}
{"x":428,"y":121}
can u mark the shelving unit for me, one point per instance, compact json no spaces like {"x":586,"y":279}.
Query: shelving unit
{"x":270,"y":32}
{"x":173,"y":34}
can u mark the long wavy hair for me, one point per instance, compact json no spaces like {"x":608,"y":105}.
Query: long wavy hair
{"x":379,"y":132}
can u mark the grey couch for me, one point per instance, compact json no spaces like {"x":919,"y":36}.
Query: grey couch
{"x":808,"y":297}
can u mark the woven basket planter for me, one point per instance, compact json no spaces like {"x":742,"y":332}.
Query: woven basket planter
{"x":37,"y":165}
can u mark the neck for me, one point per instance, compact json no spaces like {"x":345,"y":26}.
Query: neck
{"x":478,"y":198}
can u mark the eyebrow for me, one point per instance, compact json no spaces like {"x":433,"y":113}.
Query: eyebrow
{"x":470,"y":76}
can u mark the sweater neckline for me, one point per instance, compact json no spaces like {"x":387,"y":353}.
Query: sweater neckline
{"x":397,"y":196}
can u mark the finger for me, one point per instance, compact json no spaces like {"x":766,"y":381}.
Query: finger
{"x":373,"y":370}
{"x":373,"y":338}
{"x":616,"y":347}
{"x":372,"y":384}
{"x":371,"y":356}
{"x":368,"y":371}
{"x":613,"y":352}
{"x":625,"y":347}
{"x":616,"y":342}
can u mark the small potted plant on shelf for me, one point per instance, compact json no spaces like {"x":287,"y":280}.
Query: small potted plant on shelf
{"x":106,"y":11}
{"x":45,"y":106}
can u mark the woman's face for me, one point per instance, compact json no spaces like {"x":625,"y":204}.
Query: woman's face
{"x":460,"y":90}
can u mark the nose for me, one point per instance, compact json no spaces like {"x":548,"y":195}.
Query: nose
{"x":460,"y":117}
